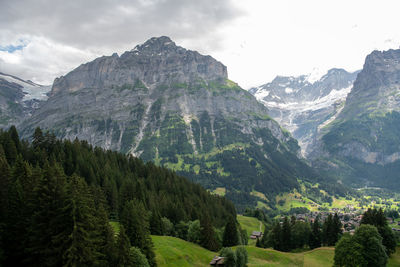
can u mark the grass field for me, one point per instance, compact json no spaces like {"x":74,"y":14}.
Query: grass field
{"x":174,"y":252}
{"x":171,"y":251}
{"x":250,"y":224}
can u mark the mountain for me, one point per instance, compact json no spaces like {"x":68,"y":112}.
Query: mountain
{"x":177,"y":108}
{"x":306,"y":103}
{"x":18,"y":98}
{"x":362,"y":145}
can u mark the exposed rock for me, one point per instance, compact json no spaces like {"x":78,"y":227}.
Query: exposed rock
{"x":176,"y":107}
{"x":303,"y":105}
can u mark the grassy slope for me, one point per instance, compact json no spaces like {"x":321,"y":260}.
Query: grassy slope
{"x":171,"y":251}
{"x":250,"y":224}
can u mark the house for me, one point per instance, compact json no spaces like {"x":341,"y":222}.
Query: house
{"x":218,"y":261}
{"x":256,"y":234}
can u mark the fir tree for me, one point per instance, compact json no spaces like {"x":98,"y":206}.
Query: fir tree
{"x":207,"y":233}
{"x":134,"y":217}
{"x":123,"y":249}
{"x":80,"y":246}
{"x":315,"y":236}
{"x":286,"y":235}
{"x":50,"y":221}
{"x":230,"y":237}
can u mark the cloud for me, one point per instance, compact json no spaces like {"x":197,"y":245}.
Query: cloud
{"x":106,"y":23}
{"x":59,"y":35}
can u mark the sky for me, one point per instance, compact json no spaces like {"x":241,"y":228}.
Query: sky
{"x":256,"y":39}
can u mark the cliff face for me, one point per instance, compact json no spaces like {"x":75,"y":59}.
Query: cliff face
{"x":365,"y":135}
{"x":176,"y":107}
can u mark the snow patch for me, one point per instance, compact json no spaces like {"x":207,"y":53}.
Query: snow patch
{"x":315,"y":75}
{"x":288,"y":90}
{"x":30,"y":89}
{"x":320,"y":103}
{"x":261,"y":94}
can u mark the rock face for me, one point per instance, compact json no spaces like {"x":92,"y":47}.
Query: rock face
{"x":364,"y":139}
{"x":18,"y":99}
{"x":306,"y":103}
{"x":176,"y":107}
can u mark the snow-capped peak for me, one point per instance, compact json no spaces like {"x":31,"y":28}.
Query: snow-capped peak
{"x":315,"y":75}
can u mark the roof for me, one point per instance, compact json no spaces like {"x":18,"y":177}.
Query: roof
{"x":217,"y":260}
{"x":256,"y":233}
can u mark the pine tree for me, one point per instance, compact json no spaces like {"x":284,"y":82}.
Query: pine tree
{"x":81,"y":250}
{"x":134,"y":217}
{"x":336,"y":229}
{"x":275,"y":237}
{"x":51,"y":222}
{"x":327,"y":230}
{"x":4,"y":182}
{"x":208,"y":239}
{"x":315,"y":236}
{"x":286,"y":235}
{"x":123,"y":248}
{"x":20,"y":195}
{"x":230,"y":237}
{"x":156,"y":227}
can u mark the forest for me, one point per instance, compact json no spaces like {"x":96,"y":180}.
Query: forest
{"x":57,"y":198}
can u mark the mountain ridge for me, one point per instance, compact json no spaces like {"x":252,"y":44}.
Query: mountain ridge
{"x":177,"y":108}
{"x":303,"y":106}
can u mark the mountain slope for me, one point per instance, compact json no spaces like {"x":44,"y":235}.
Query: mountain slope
{"x":362,"y":144}
{"x":176,"y":107}
{"x":18,"y":99}
{"x":305,"y":103}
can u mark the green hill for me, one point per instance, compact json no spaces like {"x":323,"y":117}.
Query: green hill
{"x":250,"y":224}
{"x":171,"y":251}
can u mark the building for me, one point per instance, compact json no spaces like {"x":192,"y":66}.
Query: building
{"x":218,"y":261}
{"x":256,"y":234}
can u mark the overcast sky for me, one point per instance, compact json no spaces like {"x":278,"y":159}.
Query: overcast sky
{"x":256,"y":39}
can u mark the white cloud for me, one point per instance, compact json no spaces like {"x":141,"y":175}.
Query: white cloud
{"x":256,"y":39}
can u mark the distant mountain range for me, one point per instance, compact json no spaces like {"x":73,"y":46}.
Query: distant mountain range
{"x":177,"y":108}
{"x":306,"y":103}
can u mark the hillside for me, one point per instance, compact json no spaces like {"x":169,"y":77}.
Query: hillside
{"x":177,"y":108}
{"x":171,"y":251}
{"x":72,"y":191}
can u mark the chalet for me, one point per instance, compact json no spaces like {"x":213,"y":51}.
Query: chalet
{"x":218,"y":261}
{"x":256,"y":235}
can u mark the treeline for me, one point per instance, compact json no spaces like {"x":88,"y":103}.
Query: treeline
{"x":291,"y":234}
{"x":57,"y":197}
{"x":371,"y":245}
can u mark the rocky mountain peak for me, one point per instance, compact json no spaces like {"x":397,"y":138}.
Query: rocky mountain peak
{"x":157,"y":61}
{"x":156,"y":45}
{"x":376,"y":86}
